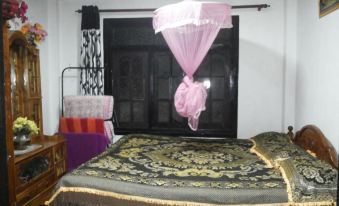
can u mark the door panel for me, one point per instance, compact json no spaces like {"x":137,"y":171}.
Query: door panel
{"x":130,"y":77}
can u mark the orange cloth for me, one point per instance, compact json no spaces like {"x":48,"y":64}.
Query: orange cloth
{"x":78,"y":125}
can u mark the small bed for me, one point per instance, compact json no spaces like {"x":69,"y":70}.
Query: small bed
{"x":145,"y":170}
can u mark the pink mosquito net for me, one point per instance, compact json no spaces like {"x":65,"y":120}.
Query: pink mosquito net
{"x":189,"y":28}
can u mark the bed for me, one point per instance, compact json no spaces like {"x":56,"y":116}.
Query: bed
{"x":145,"y":170}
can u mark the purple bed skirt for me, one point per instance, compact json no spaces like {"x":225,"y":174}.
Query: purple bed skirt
{"x":82,"y":147}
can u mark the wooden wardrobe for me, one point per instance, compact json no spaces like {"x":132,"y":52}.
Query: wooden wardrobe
{"x":25,"y":79}
{"x":32,"y":175}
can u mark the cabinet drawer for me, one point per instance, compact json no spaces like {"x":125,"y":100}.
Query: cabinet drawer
{"x":30,"y":170}
{"x":43,"y":197}
{"x":30,"y":192}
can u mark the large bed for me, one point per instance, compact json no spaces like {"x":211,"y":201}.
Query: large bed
{"x":145,"y":170}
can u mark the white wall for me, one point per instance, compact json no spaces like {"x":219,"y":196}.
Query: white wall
{"x":37,"y":13}
{"x":317,"y":94}
{"x":45,"y":13}
{"x":265,"y":65}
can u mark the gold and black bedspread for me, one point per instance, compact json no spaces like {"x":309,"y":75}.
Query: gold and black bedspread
{"x":159,"y":170}
{"x":309,"y":179}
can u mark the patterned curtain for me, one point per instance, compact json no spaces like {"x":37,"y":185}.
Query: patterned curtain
{"x":91,"y":76}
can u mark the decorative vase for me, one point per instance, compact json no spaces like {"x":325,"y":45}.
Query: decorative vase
{"x":21,"y":141}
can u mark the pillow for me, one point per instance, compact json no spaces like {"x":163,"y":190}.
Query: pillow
{"x":308,"y":179}
{"x":270,"y":145}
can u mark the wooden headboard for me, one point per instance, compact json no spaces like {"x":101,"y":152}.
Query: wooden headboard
{"x":312,"y":139}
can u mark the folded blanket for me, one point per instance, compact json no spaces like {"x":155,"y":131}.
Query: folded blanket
{"x":82,"y":147}
{"x":91,"y":107}
{"x":91,"y":125}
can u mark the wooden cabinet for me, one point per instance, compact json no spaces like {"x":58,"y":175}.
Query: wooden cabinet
{"x":25,"y":79}
{"x":32,"y":175}
{"x":37,"y":172}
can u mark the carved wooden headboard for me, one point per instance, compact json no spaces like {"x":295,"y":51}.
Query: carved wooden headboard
{"x":312,"y":139}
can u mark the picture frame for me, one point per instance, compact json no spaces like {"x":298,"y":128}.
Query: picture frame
{"x":327,"y":6}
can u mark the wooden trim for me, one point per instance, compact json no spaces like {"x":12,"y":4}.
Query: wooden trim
{"x":312,"y":139}
{"x":37,"y":55}
{"x":4,"y":180}
{"x":44,"y":195}
{"x":328,"y":10}
{"x":18,"y":38}
{"x":8,"y":116}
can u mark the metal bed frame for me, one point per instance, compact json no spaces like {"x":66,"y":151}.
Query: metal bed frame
{"x":113,"y":118}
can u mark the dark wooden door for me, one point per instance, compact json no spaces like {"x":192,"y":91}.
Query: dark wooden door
{"x":131,"y":80}
{"x":143,"y":75}
{"x":214,"y":71}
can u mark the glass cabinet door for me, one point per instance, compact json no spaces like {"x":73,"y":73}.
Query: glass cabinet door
{"x":33,"y":168}
{"x":25,"y":79}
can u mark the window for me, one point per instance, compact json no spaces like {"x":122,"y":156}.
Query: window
{"x":142,"y":75}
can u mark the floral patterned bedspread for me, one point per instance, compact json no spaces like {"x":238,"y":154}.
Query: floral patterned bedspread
{"x":309,"y":179}
{"x":180,"y":170}
{"x":177,"y":162}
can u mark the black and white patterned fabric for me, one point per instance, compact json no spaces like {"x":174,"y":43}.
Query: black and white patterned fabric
{"x":91,"y":76}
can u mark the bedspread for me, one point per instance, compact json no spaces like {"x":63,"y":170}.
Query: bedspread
{"x":156,"y":170}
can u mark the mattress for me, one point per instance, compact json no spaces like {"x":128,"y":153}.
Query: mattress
{"x":160,"y":170}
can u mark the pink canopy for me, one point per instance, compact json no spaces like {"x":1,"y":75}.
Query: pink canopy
{"x":189,"y":28}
